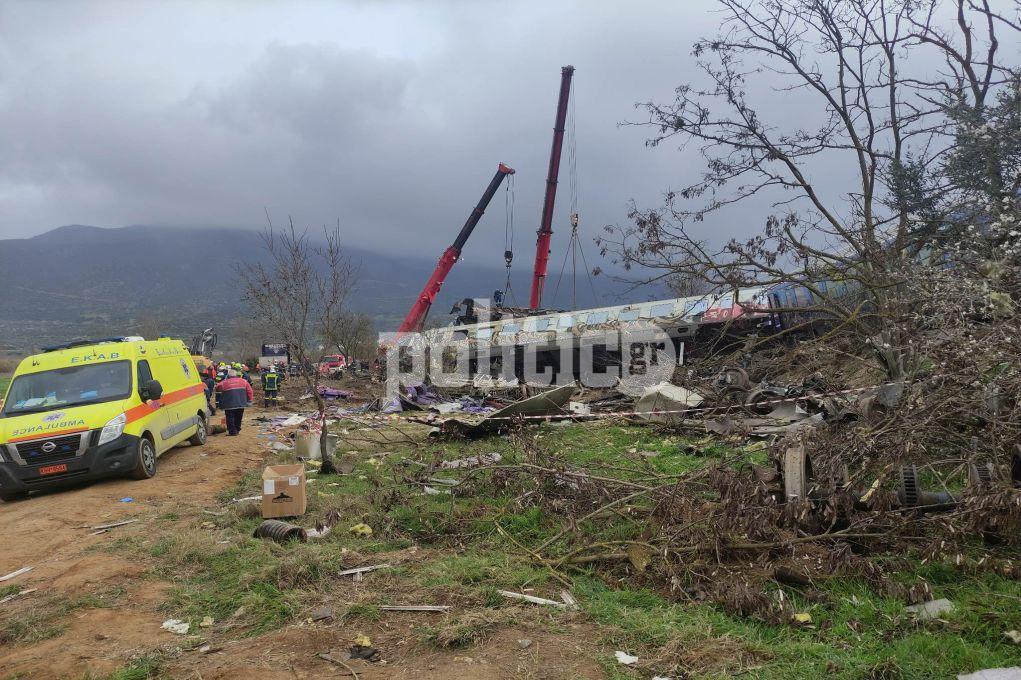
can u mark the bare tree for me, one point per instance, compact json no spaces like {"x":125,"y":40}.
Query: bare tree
{"x":247,"y":334}
{"x":892,"y":124}
{"x":355,"y":333}
{"x":301,"y":292}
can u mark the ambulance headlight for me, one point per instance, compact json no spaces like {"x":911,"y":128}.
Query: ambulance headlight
{"x":113,"y":429}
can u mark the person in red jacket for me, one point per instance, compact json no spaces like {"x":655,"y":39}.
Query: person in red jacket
{"x":235,"y":395}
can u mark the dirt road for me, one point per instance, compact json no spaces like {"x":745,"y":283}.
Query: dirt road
{"x":46,"y":533}
{"x":109,"y":605}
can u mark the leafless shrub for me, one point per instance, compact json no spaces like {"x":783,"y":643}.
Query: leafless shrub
{"x":300,"y":293}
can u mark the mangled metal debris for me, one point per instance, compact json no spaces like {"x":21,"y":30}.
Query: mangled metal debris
{"x":470,"y":462}
{"x":666,"y":402}
{"x":537,"y":407}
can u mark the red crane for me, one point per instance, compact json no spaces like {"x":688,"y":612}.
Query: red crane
{"x":542,"y":244}
{"x":416,"y":317}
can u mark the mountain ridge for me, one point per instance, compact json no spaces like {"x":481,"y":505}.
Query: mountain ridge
{"x":79,"y":279}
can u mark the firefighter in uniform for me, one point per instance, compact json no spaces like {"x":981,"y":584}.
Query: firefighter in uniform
{"x":270,"y":386}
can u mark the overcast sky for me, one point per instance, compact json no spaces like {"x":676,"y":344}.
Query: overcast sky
{"x":390,"y":117}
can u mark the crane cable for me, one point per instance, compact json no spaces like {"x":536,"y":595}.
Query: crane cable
{"x":508,"y":237}
{"x":574,"y":247}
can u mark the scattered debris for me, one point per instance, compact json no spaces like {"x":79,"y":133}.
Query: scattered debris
{"x":932,"y":609}
{"x":534,"y":600}
{"x":206,"y":622}
{"x":307,"y":445}
{"x":790,"y":577}
{"x":767,"y":430}
{"x":579,"y":409}
{"x":176,"y":626}
{"x":280,"y":532}
{"x":666,"y":397}
{"x":363,"y":649}
{"x":472,"y":461}
{"x":625,"y":659}
{"x":324,"y":613}
{"x":318,"y":532}
{"x":524,"y":644}
{"x":283,"y":491}
{"x":329,"y":656}
{"x":361,"y":530}
{"x":432,"y":491}
{"x":538,"y":407}
{"x":789,"y":411}
{"x":103,"y":528}
{"x":13,"y":574}
{"x":1012,"y":635}
{"x":1012,"y":673}
{"x":364,"y":570}
{"x":22,"y":593}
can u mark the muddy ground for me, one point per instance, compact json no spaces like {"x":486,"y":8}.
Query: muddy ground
{"x":109,"y":607}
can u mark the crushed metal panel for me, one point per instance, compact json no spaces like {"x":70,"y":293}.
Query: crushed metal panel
{"x":666,"y":397}
{"x":811,"y":421}
{"x":543,"y":404}
{"x":547,"y":403}
{"x":789,"y":411}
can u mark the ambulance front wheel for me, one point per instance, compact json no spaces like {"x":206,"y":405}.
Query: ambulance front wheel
{"x":145,"y":466}
{"x":199,"y":438}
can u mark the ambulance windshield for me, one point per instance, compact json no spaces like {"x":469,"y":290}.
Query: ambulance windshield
{"x":68,"y":387}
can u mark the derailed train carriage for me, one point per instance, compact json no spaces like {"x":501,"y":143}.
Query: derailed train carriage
{"x":512,"y":346}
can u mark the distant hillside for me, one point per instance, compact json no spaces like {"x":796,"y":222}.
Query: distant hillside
{"x":80,"y":280}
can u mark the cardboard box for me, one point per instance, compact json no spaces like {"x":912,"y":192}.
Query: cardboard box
{"x":283,"y":491}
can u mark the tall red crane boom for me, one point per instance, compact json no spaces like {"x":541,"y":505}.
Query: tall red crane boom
{"x":542,"y":244}
{"x":416,"y":316}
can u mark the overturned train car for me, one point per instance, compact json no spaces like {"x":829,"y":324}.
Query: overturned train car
{"x":596,"y":346}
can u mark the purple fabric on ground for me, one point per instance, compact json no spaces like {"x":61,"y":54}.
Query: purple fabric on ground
{"x":330,"y":393}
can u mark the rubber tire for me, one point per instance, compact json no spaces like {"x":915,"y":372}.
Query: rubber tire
{"x":199,"y":438}
{"x":146,"y":451}
{"x":11,"y":496}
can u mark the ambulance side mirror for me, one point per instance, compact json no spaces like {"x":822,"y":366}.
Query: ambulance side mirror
{"x":152,"y":390}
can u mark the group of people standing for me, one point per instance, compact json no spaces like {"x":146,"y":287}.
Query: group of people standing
{"x":231,"y":384}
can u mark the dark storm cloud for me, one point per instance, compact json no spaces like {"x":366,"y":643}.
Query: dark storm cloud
{"x":389,"y":117}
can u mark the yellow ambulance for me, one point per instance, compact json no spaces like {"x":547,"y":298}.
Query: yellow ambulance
{"x":93,"y":409}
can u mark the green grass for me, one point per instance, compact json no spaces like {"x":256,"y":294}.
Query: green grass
{"x":464,"y":558}
{"x":148,"y":667}
{"x":245,"y":581}
{"x":5,"y":380}
{"x":856,"y":633}
{"x":47,"y":617}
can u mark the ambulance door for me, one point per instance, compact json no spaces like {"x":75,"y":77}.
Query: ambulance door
{"x":168,"y":372}
{"x":158,"y":421}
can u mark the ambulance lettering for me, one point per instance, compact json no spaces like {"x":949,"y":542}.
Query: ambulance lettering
{"x":102,"y":356}
{"x":42,"y":429}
